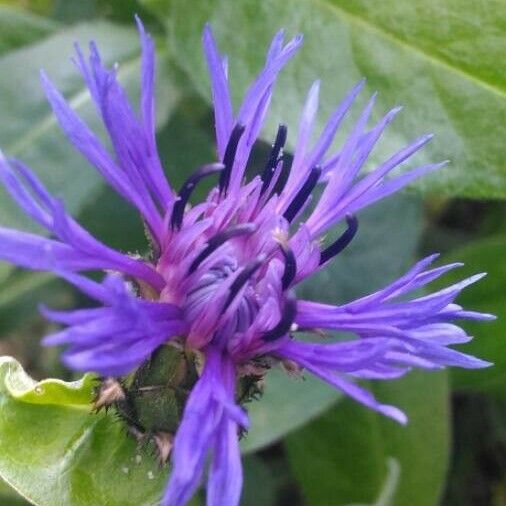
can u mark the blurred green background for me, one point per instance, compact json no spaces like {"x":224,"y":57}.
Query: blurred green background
{"x":442,"y":60}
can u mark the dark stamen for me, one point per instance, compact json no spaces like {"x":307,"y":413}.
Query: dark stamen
{"x":273,"y":159}
{"x":243,"y":278}
{"x":217,"y":240}
{"x":229,"y":157}
{"x":302,"y":195}
{"x":186,"y":190}
{"x":287,"y":318}
{"x":343,"y":241}
{"x":282,"y":179}
{"x":290,"y":266}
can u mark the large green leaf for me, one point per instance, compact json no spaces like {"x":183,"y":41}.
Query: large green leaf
{"x":485,"y":255}
{"x":19,"y":28}
{"x":440,"y":61}
{"x":385,"y":244}
{"x":342,"y":457}
{"x":54,"y":451}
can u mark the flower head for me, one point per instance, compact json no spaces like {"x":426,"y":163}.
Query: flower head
{"x":220,"y":282}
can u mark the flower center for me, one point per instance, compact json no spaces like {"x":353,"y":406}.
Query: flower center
{"x":202,"y":299}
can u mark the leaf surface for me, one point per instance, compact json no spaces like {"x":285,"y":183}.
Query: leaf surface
{"x":54,"y":451}
{"x":439,"y":60}
{"x":352,"y":445}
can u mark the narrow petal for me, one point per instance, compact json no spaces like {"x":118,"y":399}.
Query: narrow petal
{"x":34,"y":252}
{"x":422,"y":326}
{"x":393,"y":186}
{"x":225,"y":477}
{"x":22,"y":196}
{"x":225,"y":474}
{"x":252,"y":111}
{"x":117,"y":337}
{"x":223,"y":114}
{"x":306,"y":125}
{"x":90,"y":146}
{"x":343,"y":356}
{"x":356,"y":392}
{"x":78,"y":249}
{"x":341,"y":197}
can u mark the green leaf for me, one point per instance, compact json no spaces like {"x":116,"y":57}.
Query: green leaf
{"x":19,"y":28}
{"x":9,"y":497}
{"x":350,"y":447}
{"x":488,"y":295}
{"x":71,"y":11}
{"x":22,"y":387}
{"x":479,"y":437}
{"x":440,"y":61}
{"x":387,"y":494}
{"x":289,"y":403}
{"x":259,"y":483}
{"x":54,"y":451}
{"x":123,"y":11}
{"x":18,"y":285}
{"x":41,"y":7}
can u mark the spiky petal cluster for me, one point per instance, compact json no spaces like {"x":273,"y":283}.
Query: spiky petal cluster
{"x":222,"y":281}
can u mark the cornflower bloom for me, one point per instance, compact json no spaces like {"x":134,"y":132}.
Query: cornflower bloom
{"x":218,"y":286}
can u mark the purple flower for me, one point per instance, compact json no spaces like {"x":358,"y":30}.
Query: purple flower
{"x":223,"y":277}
